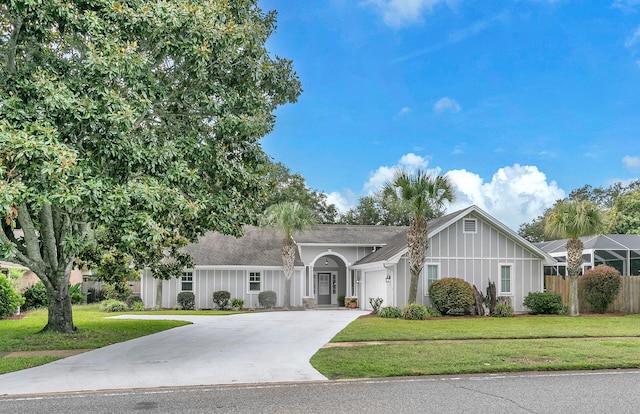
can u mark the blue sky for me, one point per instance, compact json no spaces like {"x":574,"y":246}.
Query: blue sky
{"x":518,"y":101}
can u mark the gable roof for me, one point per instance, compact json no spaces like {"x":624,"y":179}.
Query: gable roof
{"x":261,"y":247}
{"x":397,"y":247}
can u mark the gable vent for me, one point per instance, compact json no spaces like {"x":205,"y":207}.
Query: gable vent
{"x":469,"y":225}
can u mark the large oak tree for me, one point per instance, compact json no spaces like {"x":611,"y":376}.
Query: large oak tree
{"x":139,"y":119}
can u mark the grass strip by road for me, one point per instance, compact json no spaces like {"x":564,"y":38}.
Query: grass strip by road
{"x":482,"y":345}
{"x":464,"y":357}
{"x":544,"y":326}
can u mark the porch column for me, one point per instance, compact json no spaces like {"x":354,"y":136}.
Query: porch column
{"x":310,"y":280}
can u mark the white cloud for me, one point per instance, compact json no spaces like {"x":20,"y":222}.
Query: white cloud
{"x":515,"y":194}
{"x":403,"y":13}
{"x":631,"y":163}
{"x":378,"y":178}
{"x":626,"y":5}
{"x":633,"y":39}
{"x":405,"y":110}
{"x":446,"y":104}
{"x":342,"y":202}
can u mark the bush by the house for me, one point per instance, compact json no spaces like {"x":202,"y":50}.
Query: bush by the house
{"x":549,"y":303}
{"x":451,"y":296}
{"x":237,"y":303}
{"x":133,"y":299}
{"x":137,"y":306}
{"x":76,"y":294}
{"x":432,"y":313}
{"x":375,"y":304}
{"x":35,"y":296}
{"x":415,"y":312}
{"x":503,"y":310}
{"x":113,"y":305}
{"x":267,"y":299}
{"x":95,"y":295}
{"x":10,"y":300}
{"x":600,"y":286}
{"x":221,"y":299}
{"x":187,"y":300}
{"x":390,"y":312}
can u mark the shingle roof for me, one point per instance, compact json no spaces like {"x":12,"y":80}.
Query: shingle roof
{"x":261,"y":247}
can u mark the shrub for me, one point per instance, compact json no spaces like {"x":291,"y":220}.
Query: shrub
{"x":390,"y":312}
{"x":113,"y":305}
{"x":10,"y":300}
{"x":76,"y":294}
{"x":503,"y":310}
{"x":375,"y":304}
{"x":544,"y":303}
{"x":600,"y":286}
{"x":268,"y":299}
{"x":95,"y":295}
{"x":221,"y":299}
{"x":451,"y":295}
{"x":432,"y":313}
{"x":187,"y":300}
{"x":237,"y":303}
{"x":133,"y":299}
{"x":138,"y":306}
{"x":413,"y":311}
{"x":35,"y":296}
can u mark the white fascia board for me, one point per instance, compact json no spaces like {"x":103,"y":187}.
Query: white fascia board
{"x":241,"y":267}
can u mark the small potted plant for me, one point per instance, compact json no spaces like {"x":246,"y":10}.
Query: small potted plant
{"x":341,"y":300}
{"x":353,"y":303}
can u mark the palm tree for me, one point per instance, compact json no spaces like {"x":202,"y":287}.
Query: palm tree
{"x":423,"y":196}
{"x":571,"y":220}
{"x":289,"y":218}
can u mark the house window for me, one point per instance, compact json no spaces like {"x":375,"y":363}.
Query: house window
{"x":505,"y":279}
{"x":432,"y":276}
{"x":255,"y":281}
{"x":187,"y":281}
{"x":469,"y":226}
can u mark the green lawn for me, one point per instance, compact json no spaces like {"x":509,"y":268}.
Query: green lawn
{"x":95,"y":330}
{"x":464,"y":345}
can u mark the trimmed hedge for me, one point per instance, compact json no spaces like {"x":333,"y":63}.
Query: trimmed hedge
{"x":545,"y":303}
{"x":35,"y":296}
{"x":186,"y":300}
{"x":600,"y":286}
{"x":221,"y":298}
{"x":452,"y":296}
{"x":268,"y":299}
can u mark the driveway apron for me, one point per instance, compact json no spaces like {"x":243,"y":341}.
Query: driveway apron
{"x":259,"y":347}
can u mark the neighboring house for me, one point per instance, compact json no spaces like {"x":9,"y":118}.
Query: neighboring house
{"x":29,"y":278}
{"x":361,"y":261}
{"x":621,"y":251}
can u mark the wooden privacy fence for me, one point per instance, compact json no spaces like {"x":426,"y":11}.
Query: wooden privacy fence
{"x":627,"y":301}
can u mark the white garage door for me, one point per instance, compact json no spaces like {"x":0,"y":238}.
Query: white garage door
{"x":375,"y":287}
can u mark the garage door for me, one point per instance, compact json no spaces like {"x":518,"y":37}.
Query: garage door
{"x":375,"y":287}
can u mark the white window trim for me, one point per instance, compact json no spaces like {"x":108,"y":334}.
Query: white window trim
{"x":249,"y":272}
{"x":500,"y":292}
{"x":475,"y":226}
{"x":184,"y":272}
{"x":425,"y":274}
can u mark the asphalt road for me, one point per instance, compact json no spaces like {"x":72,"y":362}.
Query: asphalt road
{"x":570,"y":392}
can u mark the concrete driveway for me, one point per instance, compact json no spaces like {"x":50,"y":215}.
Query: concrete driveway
{"x":246,"y":348}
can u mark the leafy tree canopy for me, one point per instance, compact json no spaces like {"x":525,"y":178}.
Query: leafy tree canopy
{"x":287,"y":187}
{"x":137,"y":119}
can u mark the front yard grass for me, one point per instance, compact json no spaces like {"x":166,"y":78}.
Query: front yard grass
{"x":482,"y":345}
{"x":95,"y":330}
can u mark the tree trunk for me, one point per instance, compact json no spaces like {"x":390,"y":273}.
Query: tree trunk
{"x":60,"y":313}
{"x":574,"y":264}
{"x":417,"y":244}
{"x":288,"y":260}
{"x":158,"y":304}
